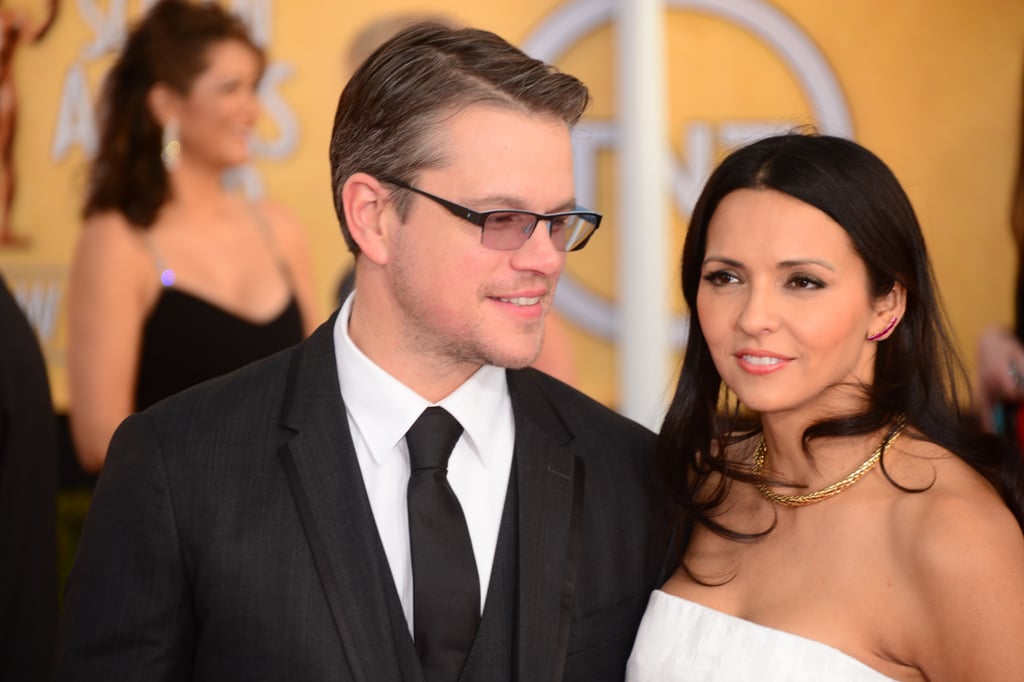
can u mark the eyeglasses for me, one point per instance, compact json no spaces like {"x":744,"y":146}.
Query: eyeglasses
{"x":508,"y":229}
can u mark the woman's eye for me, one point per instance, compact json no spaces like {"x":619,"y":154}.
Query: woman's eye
{"x":720,"y":278}
{"x":230,"y":87}
{"x":805,"y":282}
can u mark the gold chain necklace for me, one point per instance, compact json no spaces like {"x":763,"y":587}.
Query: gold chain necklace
{"x":828,"y":491}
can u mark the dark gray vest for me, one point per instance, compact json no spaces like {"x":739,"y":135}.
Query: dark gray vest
{"x":492,"y":658}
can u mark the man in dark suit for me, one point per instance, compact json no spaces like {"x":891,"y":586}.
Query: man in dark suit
{"x":279,"y":523}
{"x":28,"y":501}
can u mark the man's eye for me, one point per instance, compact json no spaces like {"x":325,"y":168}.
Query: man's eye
{"x":506,"y":220}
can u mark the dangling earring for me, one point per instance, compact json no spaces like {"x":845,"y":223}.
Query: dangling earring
{"x":888,"y":327}
{"x":170,"y":147}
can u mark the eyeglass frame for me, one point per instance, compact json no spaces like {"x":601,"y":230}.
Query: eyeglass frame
{"x":479,"y":218}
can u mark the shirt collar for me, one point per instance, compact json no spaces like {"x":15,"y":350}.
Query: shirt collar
{"x":389,"y":408}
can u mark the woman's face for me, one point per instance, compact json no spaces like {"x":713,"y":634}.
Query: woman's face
{"x":219,"y":113}
{"x":783,"y":304}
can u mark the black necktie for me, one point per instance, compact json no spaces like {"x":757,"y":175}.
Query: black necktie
{"x":446,"y":589}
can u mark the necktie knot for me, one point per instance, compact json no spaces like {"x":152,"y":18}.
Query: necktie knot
{"x":431,"y":439}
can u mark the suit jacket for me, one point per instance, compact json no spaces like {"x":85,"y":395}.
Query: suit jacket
{"x":230,"y":537}
{"x":28,"y":501}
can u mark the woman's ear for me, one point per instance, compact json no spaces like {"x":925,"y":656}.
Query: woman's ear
{"x":164,"y":103}
{"x":365,"y":201}
{"x":889,"y":310}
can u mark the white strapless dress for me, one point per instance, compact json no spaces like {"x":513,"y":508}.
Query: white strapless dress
{"x":682,"y":641}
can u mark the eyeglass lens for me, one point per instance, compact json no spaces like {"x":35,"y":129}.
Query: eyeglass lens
{"x":509,"y":230}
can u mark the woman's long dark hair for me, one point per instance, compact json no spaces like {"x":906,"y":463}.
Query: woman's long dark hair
{"x":917,"y":373}
{"x":170,"y":46}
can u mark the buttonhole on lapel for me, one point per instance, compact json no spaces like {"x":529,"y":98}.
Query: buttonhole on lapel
{"x":567,"y":475}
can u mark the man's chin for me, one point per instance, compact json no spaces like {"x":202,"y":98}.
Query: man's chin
{"x":514,"y":358}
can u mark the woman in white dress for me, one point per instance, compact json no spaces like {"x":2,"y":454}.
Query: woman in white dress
{"x":832,"y":516}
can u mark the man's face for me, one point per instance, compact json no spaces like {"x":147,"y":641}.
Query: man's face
{"x":462,"y":304}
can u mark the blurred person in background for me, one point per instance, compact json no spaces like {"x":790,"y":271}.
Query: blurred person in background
{"x":176,"y":278}
{"x":28,"y":490}
{"x":999,"y":384}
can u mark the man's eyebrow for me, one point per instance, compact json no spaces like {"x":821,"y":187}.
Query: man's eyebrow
{"x":499,"y":201}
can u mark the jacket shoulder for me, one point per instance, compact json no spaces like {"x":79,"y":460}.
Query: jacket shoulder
{"x":242,"y":390}
{"x":580,"y":412}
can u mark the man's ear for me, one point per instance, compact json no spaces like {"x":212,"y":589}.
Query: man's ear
{"x":164,"y":103}
{"x":889,"y":311}
{"x":365,"y":201}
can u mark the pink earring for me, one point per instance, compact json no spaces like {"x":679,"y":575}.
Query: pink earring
{"x":888,"y":328}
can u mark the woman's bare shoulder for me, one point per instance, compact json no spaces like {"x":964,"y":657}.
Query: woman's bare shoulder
{"x":107,"y":239}
{"x":110,"y":231}
{"x":111,"y":255}
{"x":957,"y":533}
{"x":961,"y":550}
{"x":953,"y":503}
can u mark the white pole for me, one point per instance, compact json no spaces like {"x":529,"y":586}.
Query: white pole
{"x":642,"y":225}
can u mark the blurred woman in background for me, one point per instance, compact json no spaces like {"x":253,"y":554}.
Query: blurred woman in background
{"x":175,"y":278}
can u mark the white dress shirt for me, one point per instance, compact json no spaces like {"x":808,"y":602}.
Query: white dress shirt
{"x":380,"y":409}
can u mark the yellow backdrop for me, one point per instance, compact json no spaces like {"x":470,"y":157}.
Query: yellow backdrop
{"x":932,"y":86}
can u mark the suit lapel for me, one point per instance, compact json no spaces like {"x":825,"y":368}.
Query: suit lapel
{"x":324,"y":475}
{"x":550,"y":480}
{"x":327,"y":485}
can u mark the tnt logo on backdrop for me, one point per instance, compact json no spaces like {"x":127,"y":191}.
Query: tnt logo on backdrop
{"x":753,"y":36}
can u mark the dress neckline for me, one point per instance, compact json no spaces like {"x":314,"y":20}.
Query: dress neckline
{"x":216,"y":308}
{"x":676,"y":602}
